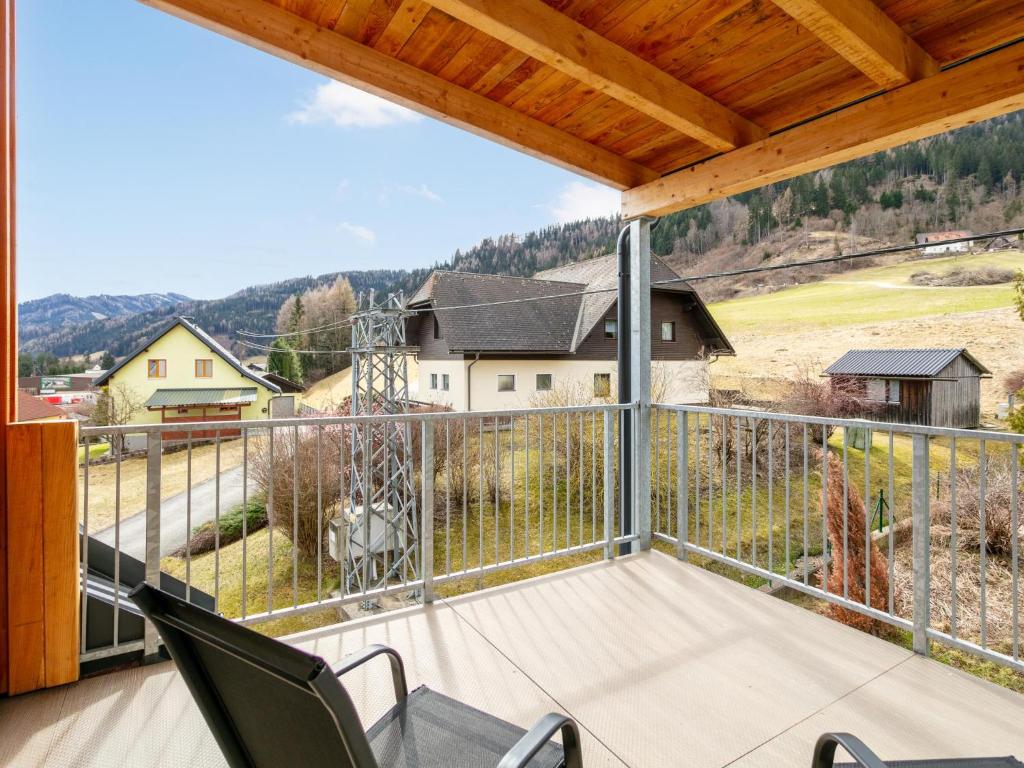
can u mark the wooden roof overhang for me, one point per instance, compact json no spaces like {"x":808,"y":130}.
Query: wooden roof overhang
{"x":674,"y":102}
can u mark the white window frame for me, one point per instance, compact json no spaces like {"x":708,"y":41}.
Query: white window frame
{"x":614,"y":323}
{"x":507,"y":376}
{"x":551,"y":382}
{"x":433,"y":381}
{"x":446,"y":381}
{"x":671,"y":324}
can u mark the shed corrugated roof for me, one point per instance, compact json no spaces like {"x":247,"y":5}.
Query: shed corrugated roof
{"x":898,"y":362}
{"x":180,"y":398}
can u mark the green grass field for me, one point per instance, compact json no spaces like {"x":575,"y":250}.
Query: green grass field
{"x":875,"y":294}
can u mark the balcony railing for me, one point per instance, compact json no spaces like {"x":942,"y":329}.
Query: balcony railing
{"x":480,"y":493}
{"x":913,"y":528}
{"x":921,"y":529}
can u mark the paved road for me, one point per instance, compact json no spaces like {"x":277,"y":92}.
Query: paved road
{"x":173,"y":517}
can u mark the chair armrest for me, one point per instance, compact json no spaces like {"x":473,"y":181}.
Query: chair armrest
{"x":825,"y":751}
{"x":541,"y":734}
{"x":359,"y":658}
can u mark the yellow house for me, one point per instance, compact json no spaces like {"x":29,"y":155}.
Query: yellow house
{"x":183,"y":375}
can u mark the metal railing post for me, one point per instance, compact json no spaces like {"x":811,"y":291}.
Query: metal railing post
{"x":154,"y":446}
{"x":640,"y":364}
{"x":682,"y":483}
{"x":609,"y":484}
{"x":921,"y":543}
{"x":427,"y":522}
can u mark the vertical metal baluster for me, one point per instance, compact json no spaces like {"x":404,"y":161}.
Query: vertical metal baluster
{"x":447,"y":497}
{"x":465,"y":492}
{"x":188,"y":516}
{"x":295,"y":516}
{"x":593,"y":476}
{"x":807,"y":492}
{"x":568,"y":484}
{"x":245,"y":517}
{"x":540,"y":482}
{"x":117,"y":540}
{"x":696,"y":480}
{"x":892,"y":541}
{"x":343,"y":552}
{"x":480,"y":495}
{"x":84,"y":589}
{"x":771,"y":500}
{"x":952,"y":538}
{"x":711,"y":482}
{"x":738,"y":450}
{"x":608,"y":490}
{"x":319,"y":514}
{"x":846,"y":514}
{"x":579,"y":474}
{"x":982,"y":548}
{"x":216,"y":525}
{"x":512,"y":487}
{"x":724,"y":480}
{"x":270,"y":526}
{"x":1015,"y":549}
{"x":668,"y":471}
{"x":385,"y":503}
{"x":554,"y":482}
{"x":497,"y":491}
{"x":656,"y":446}
{"x":753,"y":491}
{"x":824,"y":508}
{"x":526,"y":487}
{"x":368,"y":499}
{"x":867,"y":516}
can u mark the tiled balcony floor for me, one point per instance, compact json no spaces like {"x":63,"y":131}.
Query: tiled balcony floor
{"x":661,"y":663}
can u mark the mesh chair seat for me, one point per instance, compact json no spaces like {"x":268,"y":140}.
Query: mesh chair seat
{"x":950,"y":762}
{"x":430,"y":729}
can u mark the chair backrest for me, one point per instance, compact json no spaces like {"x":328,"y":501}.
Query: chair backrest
{"x":267,"y":703}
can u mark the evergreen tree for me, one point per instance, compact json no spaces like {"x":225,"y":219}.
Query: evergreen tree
{"x":284,"y":361}
{"x":107,"y":361}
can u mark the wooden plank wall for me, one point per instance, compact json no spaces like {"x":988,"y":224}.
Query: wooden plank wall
{"x":42,"y":555}
{"x":8,"y":304}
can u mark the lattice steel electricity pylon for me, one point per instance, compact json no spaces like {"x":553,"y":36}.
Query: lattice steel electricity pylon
{"x":384,"y":551}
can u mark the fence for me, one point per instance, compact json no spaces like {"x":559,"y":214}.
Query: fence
{"x":854,"y":513}
{"x":287,"y":518}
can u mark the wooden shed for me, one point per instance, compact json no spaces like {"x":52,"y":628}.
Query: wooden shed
{"x":935,"y":387}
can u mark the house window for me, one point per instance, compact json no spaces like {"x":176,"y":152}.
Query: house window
{"x":437,"y":328}
{"x":883,"y":390}
{"x":543,"y":382}
{"x":433,"y":381}
{"x":204,"y":369}
{"x":602,"y":384}
{"x":445,"y":382}
{"x":506,"y":382}
{"x":611,"y":328}
{"x":668,"y":331}
{"x":157,"y":369}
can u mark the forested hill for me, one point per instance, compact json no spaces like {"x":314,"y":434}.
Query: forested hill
{"x":968,"y":179}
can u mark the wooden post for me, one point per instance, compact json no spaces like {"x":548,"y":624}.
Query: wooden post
{"x":8,"y":304}
{"x":42,"y":557}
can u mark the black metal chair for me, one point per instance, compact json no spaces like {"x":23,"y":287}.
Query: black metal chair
{"x":825,"y":752}
{"x":270,"y":704}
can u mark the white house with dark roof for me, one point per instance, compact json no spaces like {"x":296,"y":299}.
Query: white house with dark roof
{"x":510,"y":355}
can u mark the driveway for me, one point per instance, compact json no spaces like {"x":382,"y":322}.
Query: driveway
{"x":173,"y":529}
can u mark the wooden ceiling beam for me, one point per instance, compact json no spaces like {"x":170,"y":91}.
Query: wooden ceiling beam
{"x":862,"y":34}
{"x":288,"y":36}
{"x":543,"y":33}
{"x":988,"y":86}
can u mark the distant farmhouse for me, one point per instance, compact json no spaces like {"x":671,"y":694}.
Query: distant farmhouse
{"x":508,"y":355}
{"x":938,"y":242}
{"x":932,"y":387}
{"x":183,"y":375}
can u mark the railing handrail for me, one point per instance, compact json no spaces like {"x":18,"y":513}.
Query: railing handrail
{"x":829,"y":421}
{"x":213,"y":426}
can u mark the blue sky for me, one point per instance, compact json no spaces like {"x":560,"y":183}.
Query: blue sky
{"x":157,"y":156}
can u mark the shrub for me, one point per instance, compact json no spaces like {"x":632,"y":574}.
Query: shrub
{"x":1014,"y":381}
{"x":1016,"y":421}
{"x":998,"y":490}
{"x":961,"y":277}
{"x":204,"y":537}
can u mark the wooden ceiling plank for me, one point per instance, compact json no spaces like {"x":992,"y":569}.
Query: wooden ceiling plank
{"x":562,"y":43}
{"x":302,"y":42}
{"x":859,"y":32}
{"x":977,"y":90}
{"x":398,"y":31}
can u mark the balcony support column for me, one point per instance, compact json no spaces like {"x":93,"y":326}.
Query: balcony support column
{"x":640,"y":374}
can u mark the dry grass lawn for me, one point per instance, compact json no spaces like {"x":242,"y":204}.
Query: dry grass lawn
{"x":173,"y":480}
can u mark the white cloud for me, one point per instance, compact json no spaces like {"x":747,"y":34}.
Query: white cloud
{"x":579,"y":200}
{"x":348,"y":107}
{"x":358,"y":231}
{"x":421,"y":191}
